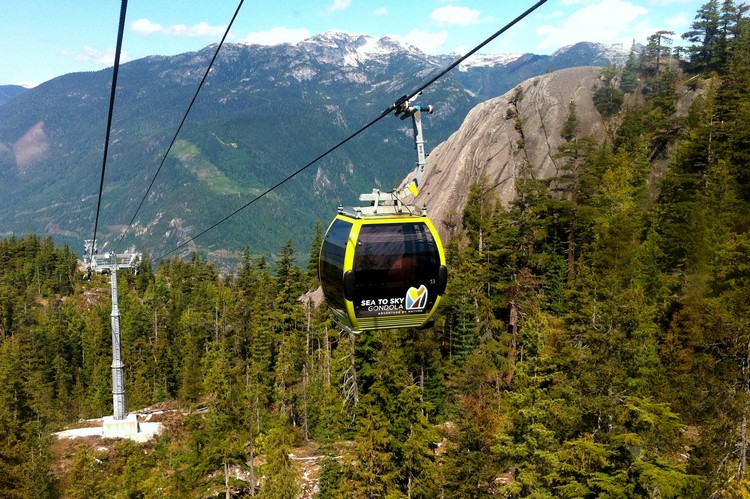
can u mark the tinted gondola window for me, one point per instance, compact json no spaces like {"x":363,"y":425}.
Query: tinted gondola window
{"x":332,"y":257}
{"x":389,"y":259}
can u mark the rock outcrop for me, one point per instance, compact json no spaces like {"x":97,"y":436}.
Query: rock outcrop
{"x":506,"y":136}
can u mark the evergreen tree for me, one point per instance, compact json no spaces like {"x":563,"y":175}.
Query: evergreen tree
{"x":280,"y":472}
{"x":608,"y":100}
{"x":704,"y":34}
{"x":372,"y":471}
{"x":314,"y":259}
{"x":629,"y":77}
{"x":572,"y":123}
{"x":285,"y":264}
{"x":658,"y":49}
{"x":83,"y":478}
{"x":733,"y":108}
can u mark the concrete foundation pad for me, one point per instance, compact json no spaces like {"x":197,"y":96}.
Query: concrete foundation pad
{"x":120,"y":428}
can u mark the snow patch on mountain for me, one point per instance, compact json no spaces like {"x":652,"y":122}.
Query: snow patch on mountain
{"x":350,"y":49}
{"x":487,"y":60}
{"x":617,"y":53}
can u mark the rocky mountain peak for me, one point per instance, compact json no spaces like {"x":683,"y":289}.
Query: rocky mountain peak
{"x":341,"y":48}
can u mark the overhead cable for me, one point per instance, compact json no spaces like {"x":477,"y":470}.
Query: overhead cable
{"x":115,"y":72}
{"x":393,"y":107}
{"x":278,"y":184}
{"x":184,"y":118}
{"x":479,"y":47}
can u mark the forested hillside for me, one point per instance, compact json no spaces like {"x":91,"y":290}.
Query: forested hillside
{"x":594,"y":340}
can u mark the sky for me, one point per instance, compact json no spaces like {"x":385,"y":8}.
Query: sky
{"x":43,"y":39}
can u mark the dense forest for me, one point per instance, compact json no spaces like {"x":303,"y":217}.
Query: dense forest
{"x":594,"y":340}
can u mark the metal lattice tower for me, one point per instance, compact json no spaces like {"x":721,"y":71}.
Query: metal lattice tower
{"x":109,"y":263}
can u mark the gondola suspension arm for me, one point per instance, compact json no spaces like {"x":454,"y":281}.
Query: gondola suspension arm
{"x":415,"y":112}
{"x":378,"y":198}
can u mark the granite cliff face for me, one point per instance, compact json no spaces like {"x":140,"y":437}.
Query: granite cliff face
{"x":491,"y":142}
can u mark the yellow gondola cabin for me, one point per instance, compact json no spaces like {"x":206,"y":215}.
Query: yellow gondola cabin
{"x":382,"y":271}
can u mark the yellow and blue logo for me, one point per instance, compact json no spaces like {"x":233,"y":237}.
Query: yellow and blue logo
{"x":416,"y":299}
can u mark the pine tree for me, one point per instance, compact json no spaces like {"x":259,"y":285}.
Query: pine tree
{"x":285,"y":264}
{"x":14,"y":413}
{"x":314,"y":258}
{"x":372,"y":471}
{"x":629,"y":78}
{"x":733,"y":106}
{"x":571,"y":183}
{"x":280,"y":471}
{"x":418,"y":468}
{"x":470,"y":467}
{"x":190,"y":381}
{"x":222,"y":389}
{"x":608,"y":100}
{"x":83,"y":478}
{"x":658,"y":49}
{"x":704,"y":34}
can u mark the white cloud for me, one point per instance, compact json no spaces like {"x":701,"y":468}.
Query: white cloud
{"x":200,"y":30}
{"x":450,"y":15}
{"x":338,"y":6}
{"x":428,"y":42}
{"x":276,"y":36}
{"x":382,"y":11}
{"x":460,"y":49}
{"x":670,"y":2}
{"x":145,"y":27}
{"x":679,"y":22}
{"x":26,"y":84}
{"x":605,"y":21}
{"x":98,"y":57}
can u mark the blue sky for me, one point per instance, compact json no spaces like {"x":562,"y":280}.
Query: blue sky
{"x":42,"y":39}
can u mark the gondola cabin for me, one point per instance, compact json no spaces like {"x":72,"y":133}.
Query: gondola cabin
{"x":382,"y":271}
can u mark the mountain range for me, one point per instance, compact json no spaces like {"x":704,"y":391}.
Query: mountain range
{"x":263,"y":112}
{"x":8,"y":92}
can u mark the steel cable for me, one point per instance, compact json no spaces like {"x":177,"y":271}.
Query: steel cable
{"x":393,"y":107}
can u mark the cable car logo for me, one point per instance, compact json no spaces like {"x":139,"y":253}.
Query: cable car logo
{"x":416,"y":299}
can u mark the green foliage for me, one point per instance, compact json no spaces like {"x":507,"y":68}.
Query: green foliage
{"x":592,"y":342}
{"x":713,"y":33}
{"x":281,"y":476}
{"x":517,"y":95}
{"x":331,"y":476}
{"x":608,"y":100}
{"x":314,"y":258}
{"x":571,"y":125}
{"x":84,"y":477}
{"x":629,"y":78}
{"x":657,"y":51}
